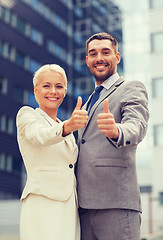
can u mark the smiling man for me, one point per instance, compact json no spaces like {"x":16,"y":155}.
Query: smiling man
{"x":108,"y":190}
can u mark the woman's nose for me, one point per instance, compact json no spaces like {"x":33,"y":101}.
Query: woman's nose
{"x":53,"y":89}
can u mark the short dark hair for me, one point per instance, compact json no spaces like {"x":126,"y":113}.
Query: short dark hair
{"x":101,"y":36}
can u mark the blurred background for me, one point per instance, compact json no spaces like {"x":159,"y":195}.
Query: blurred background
{"x":37,"y":32}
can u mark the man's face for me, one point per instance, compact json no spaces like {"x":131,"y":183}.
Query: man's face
{"x":102,"y":59}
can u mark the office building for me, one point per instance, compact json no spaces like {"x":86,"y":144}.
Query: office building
{"x":37,"y":32}
{"x":143,"y":53}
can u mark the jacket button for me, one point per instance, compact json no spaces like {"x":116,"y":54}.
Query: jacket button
{"x":70,"y":166}
{"x":82,"y":141}
{"x":128,"y":143}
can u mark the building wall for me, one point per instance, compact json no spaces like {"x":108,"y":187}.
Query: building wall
{"x":143,"y":54}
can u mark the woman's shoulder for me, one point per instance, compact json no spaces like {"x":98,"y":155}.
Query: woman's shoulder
{"x":25,"y":109}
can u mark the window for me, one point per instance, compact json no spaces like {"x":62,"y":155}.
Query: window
{"x":84,"y":85}
{"x":3,"y":85}
{"x":83,"y":26}
{"x":33,"y":65}
{"x":158,"y":135}
{"x":5,"y":14}
{"x":2,"y":161}
{"x":35,"y":4}
{"x":3,"y":48}
{"x":156,"y":42}
{"x":9,"y":125}
{"x":24,"y":97}
{"x":35,"y":36}
{"x":161,"y":198}
{"x":21,"y":25}
{"x":156,"y":3}
{"x":157,"y":86}
{"x":47,"y":13}
{"x":2,"y":123}
{"x":56,"y":50}
{"x":83,"y":3}
{"x":20,"y":59}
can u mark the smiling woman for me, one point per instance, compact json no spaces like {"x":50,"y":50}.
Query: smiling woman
{"x":50,"y":92}
{"x":49,"y":152}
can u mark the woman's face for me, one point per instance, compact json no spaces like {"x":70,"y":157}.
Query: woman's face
{"x":50,"y":90}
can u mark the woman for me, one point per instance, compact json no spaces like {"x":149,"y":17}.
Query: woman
{"x":48,"y":148}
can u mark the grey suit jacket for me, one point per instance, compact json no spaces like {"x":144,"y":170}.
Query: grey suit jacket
{"x":106,"y":170}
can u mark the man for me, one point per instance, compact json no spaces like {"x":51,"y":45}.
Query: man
{"x":108,"y":191}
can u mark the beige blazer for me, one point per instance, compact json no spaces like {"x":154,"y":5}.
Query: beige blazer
{"x":49,"y":158}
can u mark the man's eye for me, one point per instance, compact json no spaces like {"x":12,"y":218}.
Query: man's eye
{"x":92,"y":54}
{"x":59,"y":86}
{"x":46,"y":86}
{"x":106,"y":53}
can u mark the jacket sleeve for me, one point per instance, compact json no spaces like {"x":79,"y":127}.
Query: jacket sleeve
{"x":134,"y":114}
{"x":32,"y":129}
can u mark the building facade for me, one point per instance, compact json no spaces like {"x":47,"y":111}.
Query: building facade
{"x":143,"y":54}
{"x":34,"y":33}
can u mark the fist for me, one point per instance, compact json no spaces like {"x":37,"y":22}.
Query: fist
{"x":77,"y":120}
{"x":106,"y":122}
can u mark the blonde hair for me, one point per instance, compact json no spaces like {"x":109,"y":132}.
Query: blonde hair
{"x":46,"y":68}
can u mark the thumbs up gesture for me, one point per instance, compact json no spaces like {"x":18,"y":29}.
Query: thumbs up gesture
{"x":77,"y":120}
{"x":106,"y":122}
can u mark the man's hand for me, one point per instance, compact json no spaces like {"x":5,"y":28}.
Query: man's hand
{"x":77,"y":120}
{"x":106,"y":122}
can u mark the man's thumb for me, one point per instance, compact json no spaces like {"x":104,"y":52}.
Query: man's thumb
{"x":106,"y":106}
{"x":79,"y":103}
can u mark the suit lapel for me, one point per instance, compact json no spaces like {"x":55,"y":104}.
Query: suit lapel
{"x":69,"y":139}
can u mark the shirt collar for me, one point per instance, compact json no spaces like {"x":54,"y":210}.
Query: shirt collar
{"x":110,"y":81}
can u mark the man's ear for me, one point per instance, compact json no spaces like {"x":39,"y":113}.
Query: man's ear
{"x":118,"y":57}
{"x":87,"y":61}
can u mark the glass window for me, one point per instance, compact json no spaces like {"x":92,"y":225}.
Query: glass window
{"x":19,"y":94}
{"x":2,"y":161}
{"x":3,"y":85}
{"x":83,"y":3}
{"x":161,"y":198}
{"x":157,"y":86}
{"x":21,"y":25}
{"x":2,"y":123}
{"x":83,"y":26}
{"x":35,"y":35}
{"x":32,"y":101}
{"x":9,"y":125}
{"x":35,"y":4}
{"x":3,"y":47}
{"x":158,"y":135}
{"x":8,"y":163}
{"x":4,"y":14}
{"x":156,"y":3}
{"x":156,"y":42}
{"x":33,"y":65}
{"x":78,"y":12}
{"x":20,"y":59}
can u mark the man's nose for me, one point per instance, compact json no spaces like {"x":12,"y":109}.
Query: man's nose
{"x":99,"y":57}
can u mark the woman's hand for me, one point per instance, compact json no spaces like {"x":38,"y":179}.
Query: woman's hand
{"x":77,"y":120}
